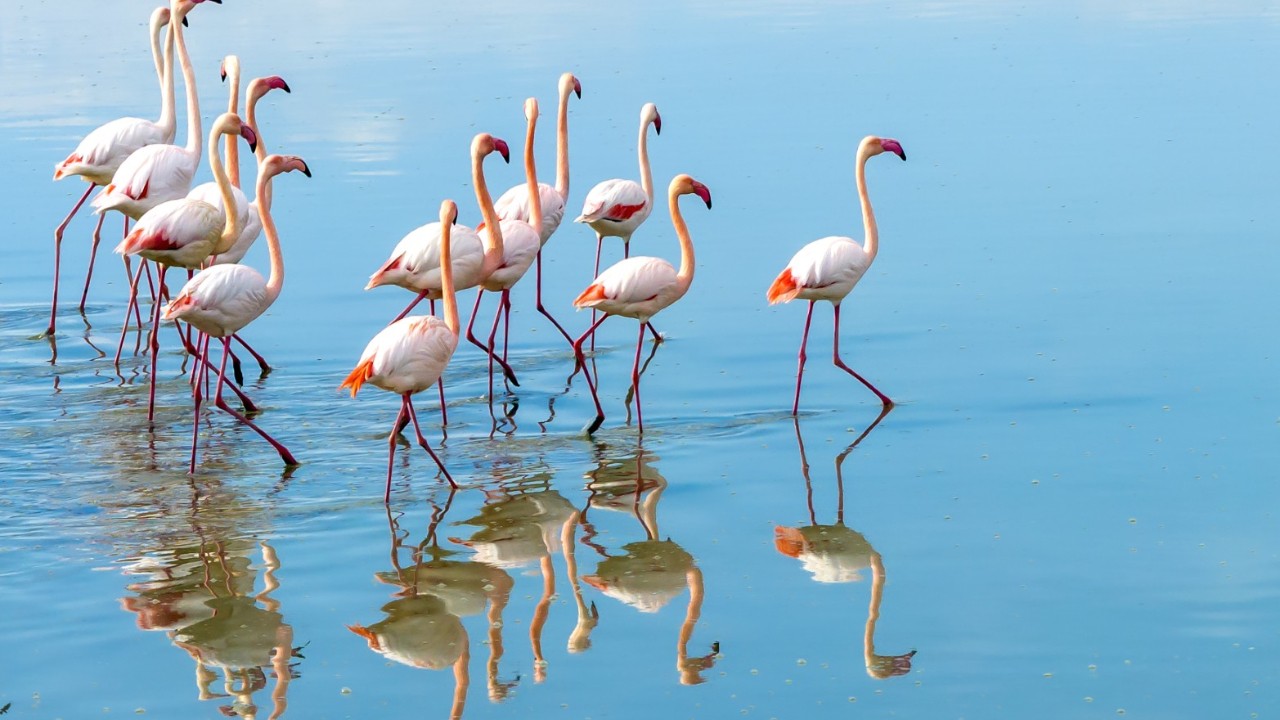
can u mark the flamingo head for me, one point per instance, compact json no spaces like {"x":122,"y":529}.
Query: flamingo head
{"x":249,"y":134}
{"x":277,"y":164}
{"x":568,"y":82}
{"x":531,"y":109}
{"x":448,"y":213}
{"x":876,"y":145}
{"x":263,"y":85}
{"x":484,"y":143}
{"x":230,"y":66}
{"x":649,"y":114}
{"x":686,"y":185}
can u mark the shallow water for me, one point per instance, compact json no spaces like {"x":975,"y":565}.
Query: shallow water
{"x":1068,"y":514}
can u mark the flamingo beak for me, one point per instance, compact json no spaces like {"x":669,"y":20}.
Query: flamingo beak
{"x":275,"y":82}
{"x":894,"y":147}
{"x":703,"y":192}
{"x":306,"y":169}
{"x":577,"y":88}
{"x":184,"y":22}
{"x":249,"y":136}
{"x":657,"y":124}
{"x":501,"y":147}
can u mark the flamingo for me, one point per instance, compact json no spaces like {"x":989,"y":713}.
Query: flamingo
{"x":639,"y":288}
{"x":415,"y":262}
{"x":828,"y":268}
{"x":223,"y":299}
{"x":519,"y":243}
{"x":514,"y":203}
{"x":101,"y":152}
{"x":410,"y":354}
{"x":183,"y":232}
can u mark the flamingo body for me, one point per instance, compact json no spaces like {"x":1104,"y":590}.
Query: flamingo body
{"x":176,"y":233}
{"x":514,"y":205}
{"x":520,"y":245}
{"x":825,"y":269}
{"x":152,"y":175}
{"x":221,"y":300}
{"x":415,"y":262}
{"x":246,"y":213}
{"x":407,"y":356}
{"x":105,"y":149}
{"x":615,"y":208}
{"x":637,"y":287}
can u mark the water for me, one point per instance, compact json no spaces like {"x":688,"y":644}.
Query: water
{"x":1068,"y":514}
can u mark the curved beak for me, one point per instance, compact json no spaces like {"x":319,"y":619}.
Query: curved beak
{"x":657,"y":124}
{"x":577,"y":88}
{"x":250,"y":136}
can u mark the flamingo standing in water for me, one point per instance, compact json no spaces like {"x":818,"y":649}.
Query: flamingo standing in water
{"x":514,"y":203}
{"x":183,"y":232}
{"x":519,"y":242}
{"x":101,"y":152}
{"x":639,"y":288}
{"x":415,"y":263}
{"x":223,"y":299}
{"x":828,"y":268}
{"x":410,"y":354}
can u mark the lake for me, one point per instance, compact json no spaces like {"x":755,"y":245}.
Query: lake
{"x":1069,"y":513}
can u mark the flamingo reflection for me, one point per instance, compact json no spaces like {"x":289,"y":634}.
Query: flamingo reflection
{"x":423,"y":626}
{"x":650,"y":572}
{"x":837,"y":553}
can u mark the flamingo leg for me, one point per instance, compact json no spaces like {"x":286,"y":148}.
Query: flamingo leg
{"x":635,"y":378}
{"x":542,"y":309}
{"x":203,"y":355}
{"x":804,"y":340}
{"x":262,"y":362}
{"x":93,"y":256}
{"x":506,"y":323}
{"x":657,"y":336}
{"x":417,"y":430}
{"x":493,"y":334}
{"x":596,"y":274}
{"x":835,"y":357}
{"x":285,"y":455}
{"x":133,"y":305}
{"x":57,"y":255}
{"x":128,"y":273}
{"x":155,"y":354}
{"x":506,"y":369}
{"x":580,"y":362}
{"x":414,"y":304}
{"x":402,"y":419}
{"x":444,"y":411}
{"x":201,"y":370}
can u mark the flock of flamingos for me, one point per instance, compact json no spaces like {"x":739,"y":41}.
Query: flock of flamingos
{"x":148,"y":179}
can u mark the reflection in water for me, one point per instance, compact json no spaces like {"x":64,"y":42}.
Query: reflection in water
{"x":650,"y":572}
{"x":836,"y":553}
{"x":423,"y":625}
{"x":203,"y":596}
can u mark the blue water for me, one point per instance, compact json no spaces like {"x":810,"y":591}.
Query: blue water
{"x":1069,"y":513}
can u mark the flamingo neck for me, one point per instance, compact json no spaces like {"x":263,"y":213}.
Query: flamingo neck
{"x":871,"y":238}
{"x":231,"y":216}
{"x":275,"y":281}
{"x":646,"y":178}
{"x":231,"y":144}
{"x":163,"y":57}
{"x":562,"y":144}
{"x":873,"y":610}
{"x":684,"y":278}
{"x":447,"y":291}
{"x":493,"y":239}
{"x":189,"y":78}
{"x":531,"y":177}
{"x":251,"y":117}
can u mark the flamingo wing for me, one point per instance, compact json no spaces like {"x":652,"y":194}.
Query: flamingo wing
{"x":178,"y":233}
{"x":102,"y":151}
{"x":825,"y":269}
{"x":415,"y":262}
{"x":514,"y":205}
{"x":628,"y":282}
{"x":520,"y":245}
{"x":614,"y":201}
{"x":220,"y":300}
{"x":148,"y":177}
{"x":406,"y":356}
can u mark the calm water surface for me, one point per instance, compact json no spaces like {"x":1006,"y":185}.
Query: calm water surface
{"x":1070,"y":513}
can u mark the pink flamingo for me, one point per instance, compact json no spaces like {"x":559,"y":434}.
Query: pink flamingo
{"x":410,"y":354}
{"x":518,"y":242}
{"x":415,"y":263}
{"x":101,"y":152}
{"x":828,"y":268}
{"x":223,"y":299}
{"x":183,"y":232}
{"x":514,"y":203}
{"x":639,"y":288}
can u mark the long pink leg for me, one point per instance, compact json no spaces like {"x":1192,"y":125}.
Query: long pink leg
{"x":542,"y":309}
{"x":493,"y":334}
{"x":202,"y":354}
{"x":285,"y":455}
{"x":57,"y":256}
{"x":155,"y":355}
{"x":835,"y":357}
{"x":401,"y":420}
{"x":506,"y":322}
{"x":262,"y":362}
{"x":412,"y":305}
{"x":581,"y":362}
{"x":133,"y":305}
{"x":93,"y":256}
{"x":128,"y":274}
{"x":506,"y":369}
{"x":201,"y":371}
{"x":423,"y":442}
{"x":635,"y":379}
{"x":804,"y":340}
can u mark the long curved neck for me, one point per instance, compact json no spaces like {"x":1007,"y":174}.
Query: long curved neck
{"x":871,"y":237}
{"x":251,"y":117}
{"x":163,"y":57}
{"x":873,"y":610}
{"x":646,"y":178}
{"x":493,"y":238}
{"x":231,"y":222}
{"x":562,"y":144}
{"x":684,"y":278}
{"x":275,"y":281}
{"x":531,"y":177}
{"x":188,"y":77}
{"x":447,"y":290}
{"x":233,"y":106}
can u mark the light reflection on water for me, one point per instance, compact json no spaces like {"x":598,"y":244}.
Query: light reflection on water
{"x":1067,"y":515}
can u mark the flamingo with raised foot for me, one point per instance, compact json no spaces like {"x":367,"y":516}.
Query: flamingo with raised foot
{"x":641,"y":287}
{"x":829,"y":268}
{"x":223,"y":299}
{"x":411,"y":354}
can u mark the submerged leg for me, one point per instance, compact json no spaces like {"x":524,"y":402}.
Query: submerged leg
{"x":635,"y":378}
{"x":804,"y":340}
{"x":506,"y":369}
{"x":542,"y":309}
{"x":57,"y":255}
{"x":580,"y":362}
{"x":285,"y":455}
{"x":423,"y":442}
{"x":93,"y":256}
{"x":401,"y":420}
{"x":835,"y":357}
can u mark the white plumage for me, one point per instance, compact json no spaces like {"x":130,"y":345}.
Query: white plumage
{"x":514,"y":205}
{"x":637,"y":287}
{"x":414,"y":264}
{"x":828,"y":268}
{"x":221,"y":300}
{"x":409,"y":355}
